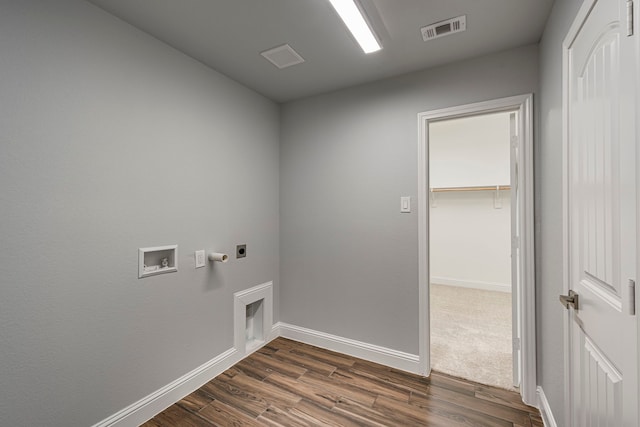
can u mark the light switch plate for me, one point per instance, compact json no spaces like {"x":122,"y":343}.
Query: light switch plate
{"x":405,"y":204}
{"x":201,"y":260}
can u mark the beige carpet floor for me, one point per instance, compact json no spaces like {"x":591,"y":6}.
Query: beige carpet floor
{"x":471,"y":334}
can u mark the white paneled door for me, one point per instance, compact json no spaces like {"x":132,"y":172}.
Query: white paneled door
{"x":600,"y":197}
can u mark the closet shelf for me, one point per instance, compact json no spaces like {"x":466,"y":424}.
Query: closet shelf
{"x":476,"y":188}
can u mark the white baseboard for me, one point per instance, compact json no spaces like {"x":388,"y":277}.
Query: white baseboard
{"x":147,"y":407}
{"x":472,"y":284}
{"x":373,"y":353}
{"x":151,"y":405}
{"x":545,"y":409}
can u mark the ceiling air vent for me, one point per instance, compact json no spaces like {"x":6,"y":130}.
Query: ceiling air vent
{"x":444,"y":28}
{"x":282,"y":56}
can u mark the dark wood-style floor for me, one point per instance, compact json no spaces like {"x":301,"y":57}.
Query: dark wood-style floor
{"x":287,"y":383}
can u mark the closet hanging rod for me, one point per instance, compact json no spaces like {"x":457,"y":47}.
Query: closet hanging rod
{"x":478,"y":188}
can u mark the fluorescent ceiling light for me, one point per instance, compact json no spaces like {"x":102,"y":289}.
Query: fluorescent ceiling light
{"x":353,"y":19}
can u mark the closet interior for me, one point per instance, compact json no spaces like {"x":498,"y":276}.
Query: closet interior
{"x":470,"y":183}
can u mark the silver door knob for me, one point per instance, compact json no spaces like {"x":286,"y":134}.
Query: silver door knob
{"x":569,"y":300}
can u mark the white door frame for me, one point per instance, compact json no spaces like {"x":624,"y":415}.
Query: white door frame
{"x":524,"y":105}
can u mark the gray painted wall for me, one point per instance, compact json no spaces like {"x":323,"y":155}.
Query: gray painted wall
{"x":548,"y":182}
{"x":111,"y":141}
{"x":349,"y":258}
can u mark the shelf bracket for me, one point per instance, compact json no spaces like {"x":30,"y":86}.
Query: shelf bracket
{"x":497,"y":199}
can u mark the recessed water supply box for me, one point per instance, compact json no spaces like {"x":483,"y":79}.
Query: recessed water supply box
{"x":157,"y":260}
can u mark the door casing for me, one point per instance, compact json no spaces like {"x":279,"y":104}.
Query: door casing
{"x":523,"y":104}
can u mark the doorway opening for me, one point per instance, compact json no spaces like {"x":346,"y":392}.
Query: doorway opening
{"x":470,"y":283}
{"x":512,"y":199}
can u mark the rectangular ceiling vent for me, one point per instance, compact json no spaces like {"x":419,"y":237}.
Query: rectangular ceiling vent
{"x":444,"y":28}
{"x":282,"y":56}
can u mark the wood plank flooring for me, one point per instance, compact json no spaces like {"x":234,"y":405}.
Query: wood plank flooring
{"x":287,"y":383}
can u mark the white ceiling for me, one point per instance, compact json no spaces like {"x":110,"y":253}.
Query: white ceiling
{"x":228,"y":36}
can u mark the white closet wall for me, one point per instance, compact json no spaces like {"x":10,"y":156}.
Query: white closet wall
{"x":469,"y":236}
